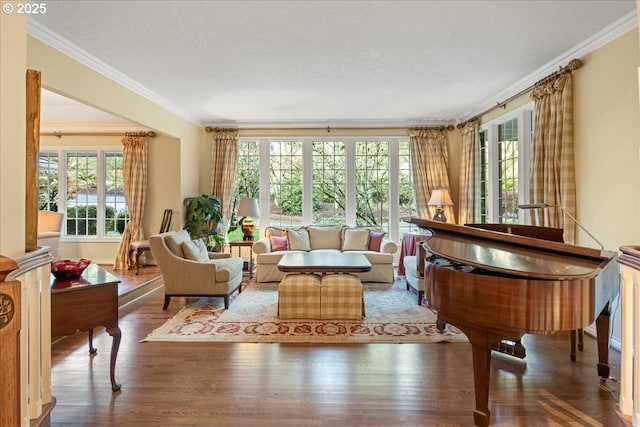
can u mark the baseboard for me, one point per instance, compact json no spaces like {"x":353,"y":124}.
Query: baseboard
{"x":140,"y":291}
{"x":615,"y":343}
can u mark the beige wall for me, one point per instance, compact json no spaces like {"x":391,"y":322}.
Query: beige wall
{"x":13,"y":67}
{"x":606,"y":119}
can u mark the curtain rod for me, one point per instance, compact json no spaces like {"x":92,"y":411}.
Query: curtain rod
{"x":573,"y":65}
{"x":447,"y":127}
{"x":150,"y":134}
{"x":329,"y":129}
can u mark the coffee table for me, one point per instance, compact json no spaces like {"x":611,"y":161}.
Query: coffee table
{"x":324,"y":262}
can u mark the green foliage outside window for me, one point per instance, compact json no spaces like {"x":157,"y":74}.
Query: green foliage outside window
{"x":82,"y":220}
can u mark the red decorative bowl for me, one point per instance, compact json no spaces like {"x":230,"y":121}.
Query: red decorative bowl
{"x":67,"y":269}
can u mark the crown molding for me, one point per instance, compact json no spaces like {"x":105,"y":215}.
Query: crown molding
{"x":606,"y":35}
{"x":70,"y":49}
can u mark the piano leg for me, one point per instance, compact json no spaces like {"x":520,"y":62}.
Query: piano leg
{"x":576,"y":337}
{"x":481,"y":343}
{"x":602,"y":332}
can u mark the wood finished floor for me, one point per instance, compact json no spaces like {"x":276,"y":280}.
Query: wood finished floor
{"x":294,"y":385}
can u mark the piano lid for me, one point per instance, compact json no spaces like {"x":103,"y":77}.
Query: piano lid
{"x":509,"y":254}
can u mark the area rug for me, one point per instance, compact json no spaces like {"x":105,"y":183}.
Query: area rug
{"x":392,"y":315}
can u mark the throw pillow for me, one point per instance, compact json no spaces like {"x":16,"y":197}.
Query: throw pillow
{"x":195,"y":250}
{"x":278,"y":243}
{"x":324,"y":236}
{"x":375,"y":240}
{"x":174,"y":242}
{"x":298,"y":240}
{"x":356,"y":239}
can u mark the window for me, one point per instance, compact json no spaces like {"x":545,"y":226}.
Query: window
{"x":504,"y":157}
{"x":372,"y":183}
{"x":406,"y":198}
{"x":246,"y":183}
{"x":48,"y":181}
{"x":88,"y":187}
{"x":285,"y":183}
{"x":508,"y":172}
{"x":351,"y":181}
{"x":484,"y":177}
{"x":329,"y":182}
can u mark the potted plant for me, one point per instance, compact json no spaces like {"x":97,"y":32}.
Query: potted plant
{"x":202,"y":217}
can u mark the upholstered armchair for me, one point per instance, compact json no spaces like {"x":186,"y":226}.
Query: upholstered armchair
{"x":49,"y":229}
{"x":189,"y":270}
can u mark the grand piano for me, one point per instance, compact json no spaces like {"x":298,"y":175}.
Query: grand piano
{"x":495,"y":286}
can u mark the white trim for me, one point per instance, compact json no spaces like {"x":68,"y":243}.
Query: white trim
{"x":350,"y":192}
{"x":606,"y":35}
{"x":85,"y":58}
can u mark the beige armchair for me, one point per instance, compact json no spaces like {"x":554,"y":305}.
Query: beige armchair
{"x":49,"y":229}
{"x":189,"y":270}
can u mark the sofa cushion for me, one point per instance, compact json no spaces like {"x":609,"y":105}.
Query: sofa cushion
{"x":174,"y":242}
{"x":274,"y":231}
{"x":278,"y":243}
{"x":298,"y":240}
{"x":324,"y":237}
{"x":356,"y":239}
{"x":227,"y":268}
{"x":195,"y":250}
{"x":375,"y":239}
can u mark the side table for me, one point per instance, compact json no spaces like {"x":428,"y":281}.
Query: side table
{"x":240,"y":244}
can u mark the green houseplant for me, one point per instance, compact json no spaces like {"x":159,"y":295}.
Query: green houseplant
{"x":202,"y":217}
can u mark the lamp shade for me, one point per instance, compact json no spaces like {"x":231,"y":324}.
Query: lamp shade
{"x":440,"y":197}
{"x":248,"y":207}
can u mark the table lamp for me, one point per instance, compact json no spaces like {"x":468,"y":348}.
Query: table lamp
{"x":248,"y":208}
{"x":439,"y":198}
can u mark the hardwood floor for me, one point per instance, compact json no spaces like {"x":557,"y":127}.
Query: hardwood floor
{"x":205,"y":384}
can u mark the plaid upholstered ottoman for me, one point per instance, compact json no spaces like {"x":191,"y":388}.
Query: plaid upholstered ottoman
{"x":341,"y":297}
{"x":299,"y":297}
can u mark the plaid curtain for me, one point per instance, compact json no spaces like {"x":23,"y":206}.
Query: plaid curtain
{"x":429,"y":165}
{"x":134,"y":164}
{"x":552,"y":168}
{"x":469,"y":171}
{"x":224,"y":156}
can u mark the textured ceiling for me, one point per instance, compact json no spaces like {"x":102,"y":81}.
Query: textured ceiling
{"x":324,"y":62}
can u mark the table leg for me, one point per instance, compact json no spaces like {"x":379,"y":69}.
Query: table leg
{"x":116,"y":335}
{"x":92,"y":349}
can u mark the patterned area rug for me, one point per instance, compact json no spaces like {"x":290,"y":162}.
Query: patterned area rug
{"x":391,"y":316}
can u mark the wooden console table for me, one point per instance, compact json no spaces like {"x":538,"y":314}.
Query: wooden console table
{"x":241,"y":244}
{"x":84,"y":303}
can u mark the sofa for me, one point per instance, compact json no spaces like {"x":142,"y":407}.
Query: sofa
{"x":189,"y":270}
{"x":369,"y":241}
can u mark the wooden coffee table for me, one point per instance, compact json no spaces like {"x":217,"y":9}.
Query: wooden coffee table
{"x":324,"y":262}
